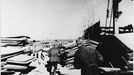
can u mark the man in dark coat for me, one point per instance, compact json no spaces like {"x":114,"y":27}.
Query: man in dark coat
{"x":86,"y":59}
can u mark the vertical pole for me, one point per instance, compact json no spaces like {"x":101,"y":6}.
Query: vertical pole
{"x":113,"y":7}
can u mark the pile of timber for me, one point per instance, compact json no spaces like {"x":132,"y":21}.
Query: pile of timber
{"x":14,"y":41}
{"x":71,"y":48}
{"x":19,"y":63}
{"x":8,"y":52}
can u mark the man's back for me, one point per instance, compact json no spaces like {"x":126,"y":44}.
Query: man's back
{"x":89,"y":54}
{"x":86,"y":56}
{"x":86,"y":59}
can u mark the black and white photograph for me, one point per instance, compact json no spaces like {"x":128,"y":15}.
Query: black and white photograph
{"x":67,"y":37}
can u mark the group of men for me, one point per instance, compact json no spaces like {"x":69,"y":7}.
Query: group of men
{"x":85,"y":58}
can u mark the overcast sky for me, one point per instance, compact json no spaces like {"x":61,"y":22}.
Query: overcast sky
{"x":43,"y":19}
{"x":56,"y":19}
{"x":53,"y":19}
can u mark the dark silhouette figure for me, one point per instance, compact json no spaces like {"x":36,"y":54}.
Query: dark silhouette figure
{"x":86,"y":59}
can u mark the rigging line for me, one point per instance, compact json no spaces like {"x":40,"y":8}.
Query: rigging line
{"x":107,"y":16}
{"x":110,"y":17}
{"x":111,"y":65}
{"x":110,"y":20}
{"x":124,"y":60}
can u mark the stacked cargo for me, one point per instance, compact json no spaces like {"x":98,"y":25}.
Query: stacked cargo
{"x":18,"y":63}
{"x":71,"y":48}
{"x":7,"y":52}
{"x":12,"y":47}
{"x":14,"y":41}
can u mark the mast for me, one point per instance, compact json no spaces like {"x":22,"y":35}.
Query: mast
{"x":114,"y":16}
{"x":109,"y":16}
{"x":116,"y":12}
